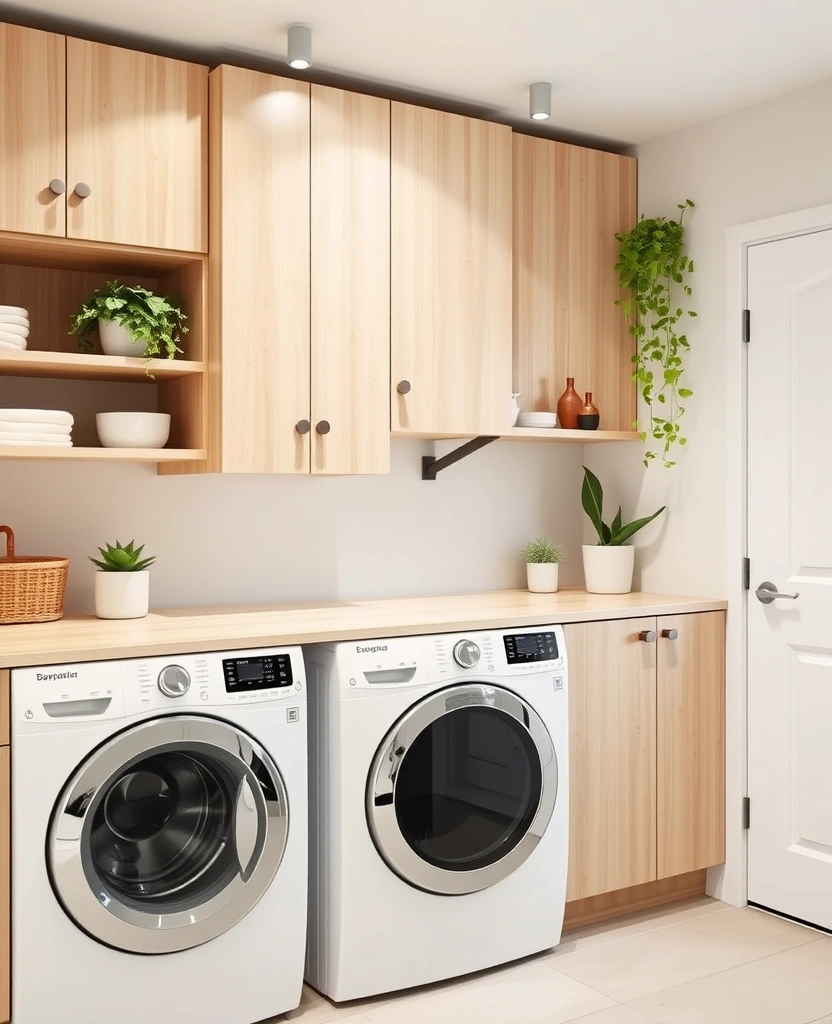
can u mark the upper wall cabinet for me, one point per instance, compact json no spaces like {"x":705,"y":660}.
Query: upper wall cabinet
{"x":32,"y":130}
{"x":569,"y":202}
{"x":450,"y":273}
{"x":137,"y":137}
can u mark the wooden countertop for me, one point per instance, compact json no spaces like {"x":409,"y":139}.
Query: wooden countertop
{"x":77,"y":638}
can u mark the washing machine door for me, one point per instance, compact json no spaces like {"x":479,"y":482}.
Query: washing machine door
{"x":167,"y":834}
{"x":462,"y":788}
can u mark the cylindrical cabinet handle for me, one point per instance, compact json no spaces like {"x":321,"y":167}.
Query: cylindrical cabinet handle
{"x":670,"y":634}
{"x":403,"y":387}
{"x":57,"y":186}
{"x":323,"y":427}
{"x":303,"y":426}
{"x":82,"y":190}
{"x":647,"y":636}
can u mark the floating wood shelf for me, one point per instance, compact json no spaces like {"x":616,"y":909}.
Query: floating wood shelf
{"x":83,"y":366}
{"x":555,"y":435}
{"x":102,"y":454}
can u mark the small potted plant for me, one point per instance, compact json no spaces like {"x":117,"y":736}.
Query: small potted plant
{"x":608,"y":565}
{"x":542,"y":557}
{"x":131,"y":321}
{"x":122,"y":584}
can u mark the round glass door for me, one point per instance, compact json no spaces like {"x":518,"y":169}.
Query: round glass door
{"x":168,"y":834}
{"x":462,"y":789}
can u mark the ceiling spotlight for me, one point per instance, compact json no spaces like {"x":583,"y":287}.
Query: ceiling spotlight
{"x":299,"y":47}
{"x":540,"y":100}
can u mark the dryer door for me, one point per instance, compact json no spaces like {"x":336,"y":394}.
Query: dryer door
{"x":167,"y":834}
{"x":462,"y":789}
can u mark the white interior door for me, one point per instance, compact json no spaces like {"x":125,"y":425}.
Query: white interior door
{"x":790,"y":546}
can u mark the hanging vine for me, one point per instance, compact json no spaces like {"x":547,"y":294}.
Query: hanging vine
{"x":653,"y":267}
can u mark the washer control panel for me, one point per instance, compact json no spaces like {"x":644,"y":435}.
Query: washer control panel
{"x":174,"y":681}
{"x":466,"y":653}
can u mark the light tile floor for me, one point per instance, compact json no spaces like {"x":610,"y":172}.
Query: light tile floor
{"x":698,"y":961}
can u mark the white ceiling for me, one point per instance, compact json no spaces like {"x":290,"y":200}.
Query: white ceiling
{"x":626,"y":70}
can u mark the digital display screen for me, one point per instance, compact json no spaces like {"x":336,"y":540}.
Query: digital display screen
{"x":270,"y":671}
{"x":525,"y":648}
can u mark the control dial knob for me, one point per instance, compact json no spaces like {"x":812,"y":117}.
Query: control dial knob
{"x":466,"y":653}
{"x":174,"y":681}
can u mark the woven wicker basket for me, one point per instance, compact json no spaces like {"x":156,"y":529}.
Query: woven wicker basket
{"x":31,"y":589}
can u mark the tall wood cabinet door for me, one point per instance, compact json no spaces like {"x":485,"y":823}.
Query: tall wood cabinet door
{"x":5,"y":884}
{"x":569,"y":202}
{"x":137,"y":137}
{"x":612,"y":756}
{"x":259,"y":273}
{"x":451,"y":272}
{"x":32,"y":130}
{"x":691,"y":742}
{"x":350,"y":282}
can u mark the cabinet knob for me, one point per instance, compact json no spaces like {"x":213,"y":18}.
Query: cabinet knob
{"x":670,"y":634}
{"x":57,"y":186}
{"x":303,"y":426}
{"x":323,"y":427}
{"x":82,"y":190}
{"x":403,"y":387}
{"x":647,"y":636}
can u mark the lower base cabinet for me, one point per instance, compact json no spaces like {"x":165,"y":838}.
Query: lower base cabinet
{"x":647,"y":751}
{"x":5,"y":884}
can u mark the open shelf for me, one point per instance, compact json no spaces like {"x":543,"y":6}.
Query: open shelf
{"x":88,"y":366}
{"x":555,"y":434}
{"x":102,"y":454}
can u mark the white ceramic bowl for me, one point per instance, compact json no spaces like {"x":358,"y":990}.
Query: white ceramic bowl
{"x":133,"y":429}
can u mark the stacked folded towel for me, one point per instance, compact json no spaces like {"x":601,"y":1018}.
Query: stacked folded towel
{"x":36,"y":427}
{"x":14,"y":328}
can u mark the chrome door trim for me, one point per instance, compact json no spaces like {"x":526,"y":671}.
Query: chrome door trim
{"x":381,"y":789}
{"x":102,"y":913}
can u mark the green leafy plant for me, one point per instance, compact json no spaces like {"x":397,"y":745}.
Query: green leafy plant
{"x":122,"y":558}
{"x":652,"y":265}
{"x":592,"y":498}
{"x":156,"y":321}
{"x":543,"y":550}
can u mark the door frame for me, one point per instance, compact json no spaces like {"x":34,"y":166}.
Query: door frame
{"x":730,"y":882}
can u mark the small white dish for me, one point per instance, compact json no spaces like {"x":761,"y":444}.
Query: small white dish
{"x":14,"y":311}
{"x":19,"y":332}
{"x":17,"y":321}
{"x":537,"y":419}
{"x":133,"y":429}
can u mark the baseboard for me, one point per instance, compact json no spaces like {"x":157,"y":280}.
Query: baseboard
{"x":638,"y":897}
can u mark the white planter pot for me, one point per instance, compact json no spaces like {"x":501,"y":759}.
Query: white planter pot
{"x":542,"y":577}
{"x":608,"y":569}
{"x":118,"y":341}
{"x":122,"y":595}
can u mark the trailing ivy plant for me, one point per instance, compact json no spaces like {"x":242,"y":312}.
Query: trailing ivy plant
{"x":653,"y":267}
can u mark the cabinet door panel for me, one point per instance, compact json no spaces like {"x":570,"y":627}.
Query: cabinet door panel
{"x":32,"y":130}
{"x":259,"y":268}
{"x":691,"y":743}
{"x":350,"y":281}
{"x":569,"y":202}
{"x":450,"y":272}
{"x":137,"y":134}
{"x":612,"y":756}
{"x":5,"y":884}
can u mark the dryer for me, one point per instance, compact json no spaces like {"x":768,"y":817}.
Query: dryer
{"x":159,"y":839}
{"x":438,"y":806}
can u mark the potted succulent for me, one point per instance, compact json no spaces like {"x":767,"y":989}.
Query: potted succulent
{"x":122,"y":583}
{"x":131,"y":321}
{"x":542,"y":557}
{"x":608,"y":565}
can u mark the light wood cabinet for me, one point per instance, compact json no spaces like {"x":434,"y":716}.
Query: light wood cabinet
{"x":612,"y":757}
{"x":569,"y":202}
{"x":5,"y":884}
{"x":350,"y":286}
{"x":691,"y":742}
{"x":137,"y":135}
{"x":32,"y":130}
{"x":646,"y":750}
{"x":450,"y":272}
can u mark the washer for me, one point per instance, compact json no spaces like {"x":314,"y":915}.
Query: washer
{"x":159,"y":839}
{"x":438,"y":806}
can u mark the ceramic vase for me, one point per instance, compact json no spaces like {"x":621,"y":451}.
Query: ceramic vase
{"x":608,"y":568}
{"x":118,"y":341}
{"x":122,"y":595}
{"x":542,"y":577}
{"x":588,"y":417}
{"x":569,"y":406}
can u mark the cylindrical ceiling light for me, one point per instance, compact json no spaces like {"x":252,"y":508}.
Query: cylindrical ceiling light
{"x":299,"y":47}
{"x":540,"y":100}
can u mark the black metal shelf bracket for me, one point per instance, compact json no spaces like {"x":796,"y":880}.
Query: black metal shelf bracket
{"x":431,"y":465}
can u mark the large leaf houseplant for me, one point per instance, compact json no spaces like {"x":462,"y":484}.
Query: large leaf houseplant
{"x":654,"y":268}
{"x":608,"y":565}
